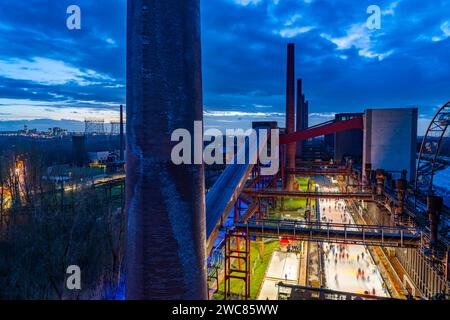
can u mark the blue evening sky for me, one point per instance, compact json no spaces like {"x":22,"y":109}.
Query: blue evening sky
{"x":50,"y":72}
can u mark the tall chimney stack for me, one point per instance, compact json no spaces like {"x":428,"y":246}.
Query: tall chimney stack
{"x":299,"y":120}
{"x":306,"y":107}
{"x":165,"y":203}
{"x":290,"y":116}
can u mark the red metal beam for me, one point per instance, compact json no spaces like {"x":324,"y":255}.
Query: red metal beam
{"x":273,"y":193}
{"x":320,"y":130}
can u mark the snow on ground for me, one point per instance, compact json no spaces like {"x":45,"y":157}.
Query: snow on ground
{"x":344,"y":273}
{"x":441,"y":181}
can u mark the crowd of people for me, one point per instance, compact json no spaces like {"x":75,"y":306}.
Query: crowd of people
{"x":344,"y":258}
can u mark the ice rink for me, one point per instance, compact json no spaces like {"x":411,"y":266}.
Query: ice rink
{"x":268,"y":290}
{"x":282,"y":266}
{"x":348,"y":268}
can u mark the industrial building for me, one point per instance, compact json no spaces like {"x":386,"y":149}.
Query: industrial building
{"x":348,"y":144}
{"x":390,"y":139}
{"x":80,"y":156}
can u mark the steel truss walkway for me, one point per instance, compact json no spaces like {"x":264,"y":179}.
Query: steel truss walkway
{"x":273,"y":193}
{"x":386,"y":236}
{"x":318,"y":171}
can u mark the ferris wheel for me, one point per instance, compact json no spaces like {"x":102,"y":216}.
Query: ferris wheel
{"x":428,"y":163}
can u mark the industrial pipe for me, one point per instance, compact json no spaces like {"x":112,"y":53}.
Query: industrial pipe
{"x":400,"y":185}
{"x":299,"y":119}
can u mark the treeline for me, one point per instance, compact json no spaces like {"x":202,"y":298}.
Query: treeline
{"x":44,"y":230}
{"x":57,"y":151}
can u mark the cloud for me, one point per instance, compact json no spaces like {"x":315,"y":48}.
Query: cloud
{"x":344,"y":67}
{"x":111,"y":42}
{"x":247,"y":2}
{"x":231,"y":113}
{"x":293,"y":19}
{"x":323,"y":114}
{"x":230,"y":119}
{"x":261,"y":106}
{"x":359,"y":37}
{"x":293,"y":32}
{"x":445,"y":28}
{"x":390,"y":10}
{"x":48,"y":72}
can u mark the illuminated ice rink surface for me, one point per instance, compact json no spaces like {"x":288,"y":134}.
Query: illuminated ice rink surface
{"x":341,"y":273}
{"x":282,"y":266}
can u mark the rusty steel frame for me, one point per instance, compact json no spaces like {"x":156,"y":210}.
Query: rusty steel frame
{"x":236,"y":252}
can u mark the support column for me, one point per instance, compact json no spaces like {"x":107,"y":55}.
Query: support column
{"x":290,"y":116}
{"x":166,"y":255}
{"x":400,"y":186}
{"x":434,"y":206}
{"x":380,"y":181}
{"x":282,"y":164}
{"x":447,"y":265}
{"x":366,"y":176}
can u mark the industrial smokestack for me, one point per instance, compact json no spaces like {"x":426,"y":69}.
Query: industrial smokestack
{"x":290,"y":115}
{"x":121,"y":134}
{"x":303,"y":118}
{"x":299,"y":106}
{"x":299,"y":120}
{"x":303,"y":111}
{"x":306,"y":115}
{"x":165,"y":203}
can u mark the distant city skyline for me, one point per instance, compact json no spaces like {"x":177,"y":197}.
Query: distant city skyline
{"x":50,"y":72}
